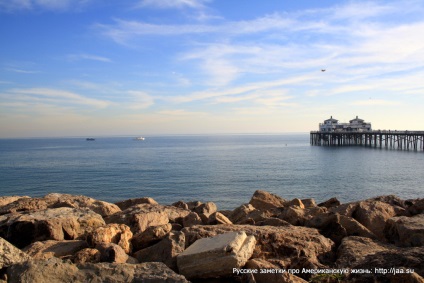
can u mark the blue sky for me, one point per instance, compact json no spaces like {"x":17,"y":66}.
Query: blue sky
{"x":151,"y":67}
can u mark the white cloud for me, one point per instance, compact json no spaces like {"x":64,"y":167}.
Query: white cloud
{"x":52,"y":97}
{"x":375,"y":102}
{"x":140,"y":100}
{"x":52,"y":5}
{"x":166,"y":4}
{"x":77,"y":57}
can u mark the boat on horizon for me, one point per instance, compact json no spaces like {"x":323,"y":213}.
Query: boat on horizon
{"x":90,"y":139}
{"x":139,"y":139}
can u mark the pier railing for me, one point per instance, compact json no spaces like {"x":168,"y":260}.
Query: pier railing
{"x":405,"y":140}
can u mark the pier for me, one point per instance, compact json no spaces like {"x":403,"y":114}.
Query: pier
{"x":404,"y":140}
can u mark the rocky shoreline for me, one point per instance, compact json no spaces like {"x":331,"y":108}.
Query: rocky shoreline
{"x":68,"y":238}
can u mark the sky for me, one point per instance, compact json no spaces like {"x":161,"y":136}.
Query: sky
{"x":157,"y":67}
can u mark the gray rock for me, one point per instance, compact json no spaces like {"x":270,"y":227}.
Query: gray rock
{"x":216,"y":256}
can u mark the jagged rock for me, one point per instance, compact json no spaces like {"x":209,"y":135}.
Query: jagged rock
{"x":239,"y":214}
{"x":9,"y":254}
{"x":263,"y":200}
{"x":216,"y":256}
{"x":181,"y":204}
{"x":175,"y":214}
{"x":110,"y":252}
{"x":295,"y":202}
{"x":309,"y":202}
{"x":119,"y":234}
{"x":406,"y":231}
{"x":134,"y":201}
{"x":192,"y":219}
{"x":417,"y":207}
{"x":140,"y":217}
{"x":193,"y":204}
{"x":87,"y":255}
{"x":205,"y":210}
{"x":346,"y":209}
{"x":258,"y":264}
{"x":272,"y":221}
{"x":9,"y":199}
{"x":24,"y":205}
{"x":64,"y":223}
{"x":51,"y":248}
{"x":65,"y":200}
{"x":374,"y":215}
{"x":165,"y":251}
{"x":332,"y":202}
{"x":150,"y":236}
{"x":293,"y":215}
{"x":284,"y":243}
{"x":219,"y":218}
{"x":365,"y":253}
{"x":392,"y":200}
{"x":54,"y":270}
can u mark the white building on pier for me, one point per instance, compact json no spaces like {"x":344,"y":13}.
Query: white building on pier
{"x":354,"y":125}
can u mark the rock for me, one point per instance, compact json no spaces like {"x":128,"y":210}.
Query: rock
{"x":65,"y":200}
{"x":309,"y":202}
{"x":134,"y":201}
{"x":417,"y":207}
{"x":150,"y":236}
{"x":354,"y":228}
{"x":284,"y":243}
{"x":175,"y":214}
{"x":140,"y":217}
{"x":112,"y":253}
{"x":263,"y":200}
{"x":51,"y":248}
{"x":374,"y":215}
{"x":119,"y":234}
{"x":364,"y":253}
{"x":272,"y":221}
{"x":192,"y":219}
{"x":219,"y":218}
{"x":87,"y":255}
{"x":346,"y":209}
{"x":295,"y":202}
{"x":239,"y":214}
{"x":216,"y":256}
{"x":64,"y":223}
{"x":332,"y":202}
{"x":24,"y":205}
{"x":181,"y":204}
{"x":165,"y":251}
{"x":258,"y":264}
{"x":193,"y":204}
{"x":9,"y":254}
{"x":205,"y":210}
{"x":54,"y":270}
{"x":9,"y":199}
{"x":392,"y":200}
{"x":293,"y":215}
{"x":406,"y":231}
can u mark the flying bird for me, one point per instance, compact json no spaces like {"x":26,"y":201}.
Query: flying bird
{"x":322,"y":70}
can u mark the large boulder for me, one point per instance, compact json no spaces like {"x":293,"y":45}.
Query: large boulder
{"x":9,"y":254}
{"x":110,"y":252}
{"x":205,"y":210}
{"x":24,"y":205}
{"x":134,"y":201}
{"x":150,"y":236}
{"x":5,"y":200}
{"x":165,"y":251}
{"x":54,"y":270}
{"x":287,"y":243}
{"x":417,"y":207}
{"x":65,"y":200}
{"x":263,"y":200}
{"x":64,"y":223}
{"x":140,"y":217}
{"x":379,"y":259}
{"x":87,"y":255}
{"x":51,"y":248}
{"x":216,"y":256}
{"x":119,"y":234}
{"x":406,"y":231}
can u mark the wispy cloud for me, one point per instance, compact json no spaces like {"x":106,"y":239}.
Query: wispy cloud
{"x":140,"y":100}
{"x":52,"y":97}
{"x":166,"y":4}
{"x":22,"y":71}
{"x":77,"y":57}
{"x":52,"y":5}
{"x":375,"y":102}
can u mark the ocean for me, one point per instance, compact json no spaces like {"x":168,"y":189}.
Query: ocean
{"x":225,"y":169}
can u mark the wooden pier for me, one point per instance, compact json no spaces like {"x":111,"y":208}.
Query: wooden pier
{"x":404,"y":140}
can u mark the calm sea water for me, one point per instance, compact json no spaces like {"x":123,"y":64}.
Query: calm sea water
{"x":225,"y":169}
